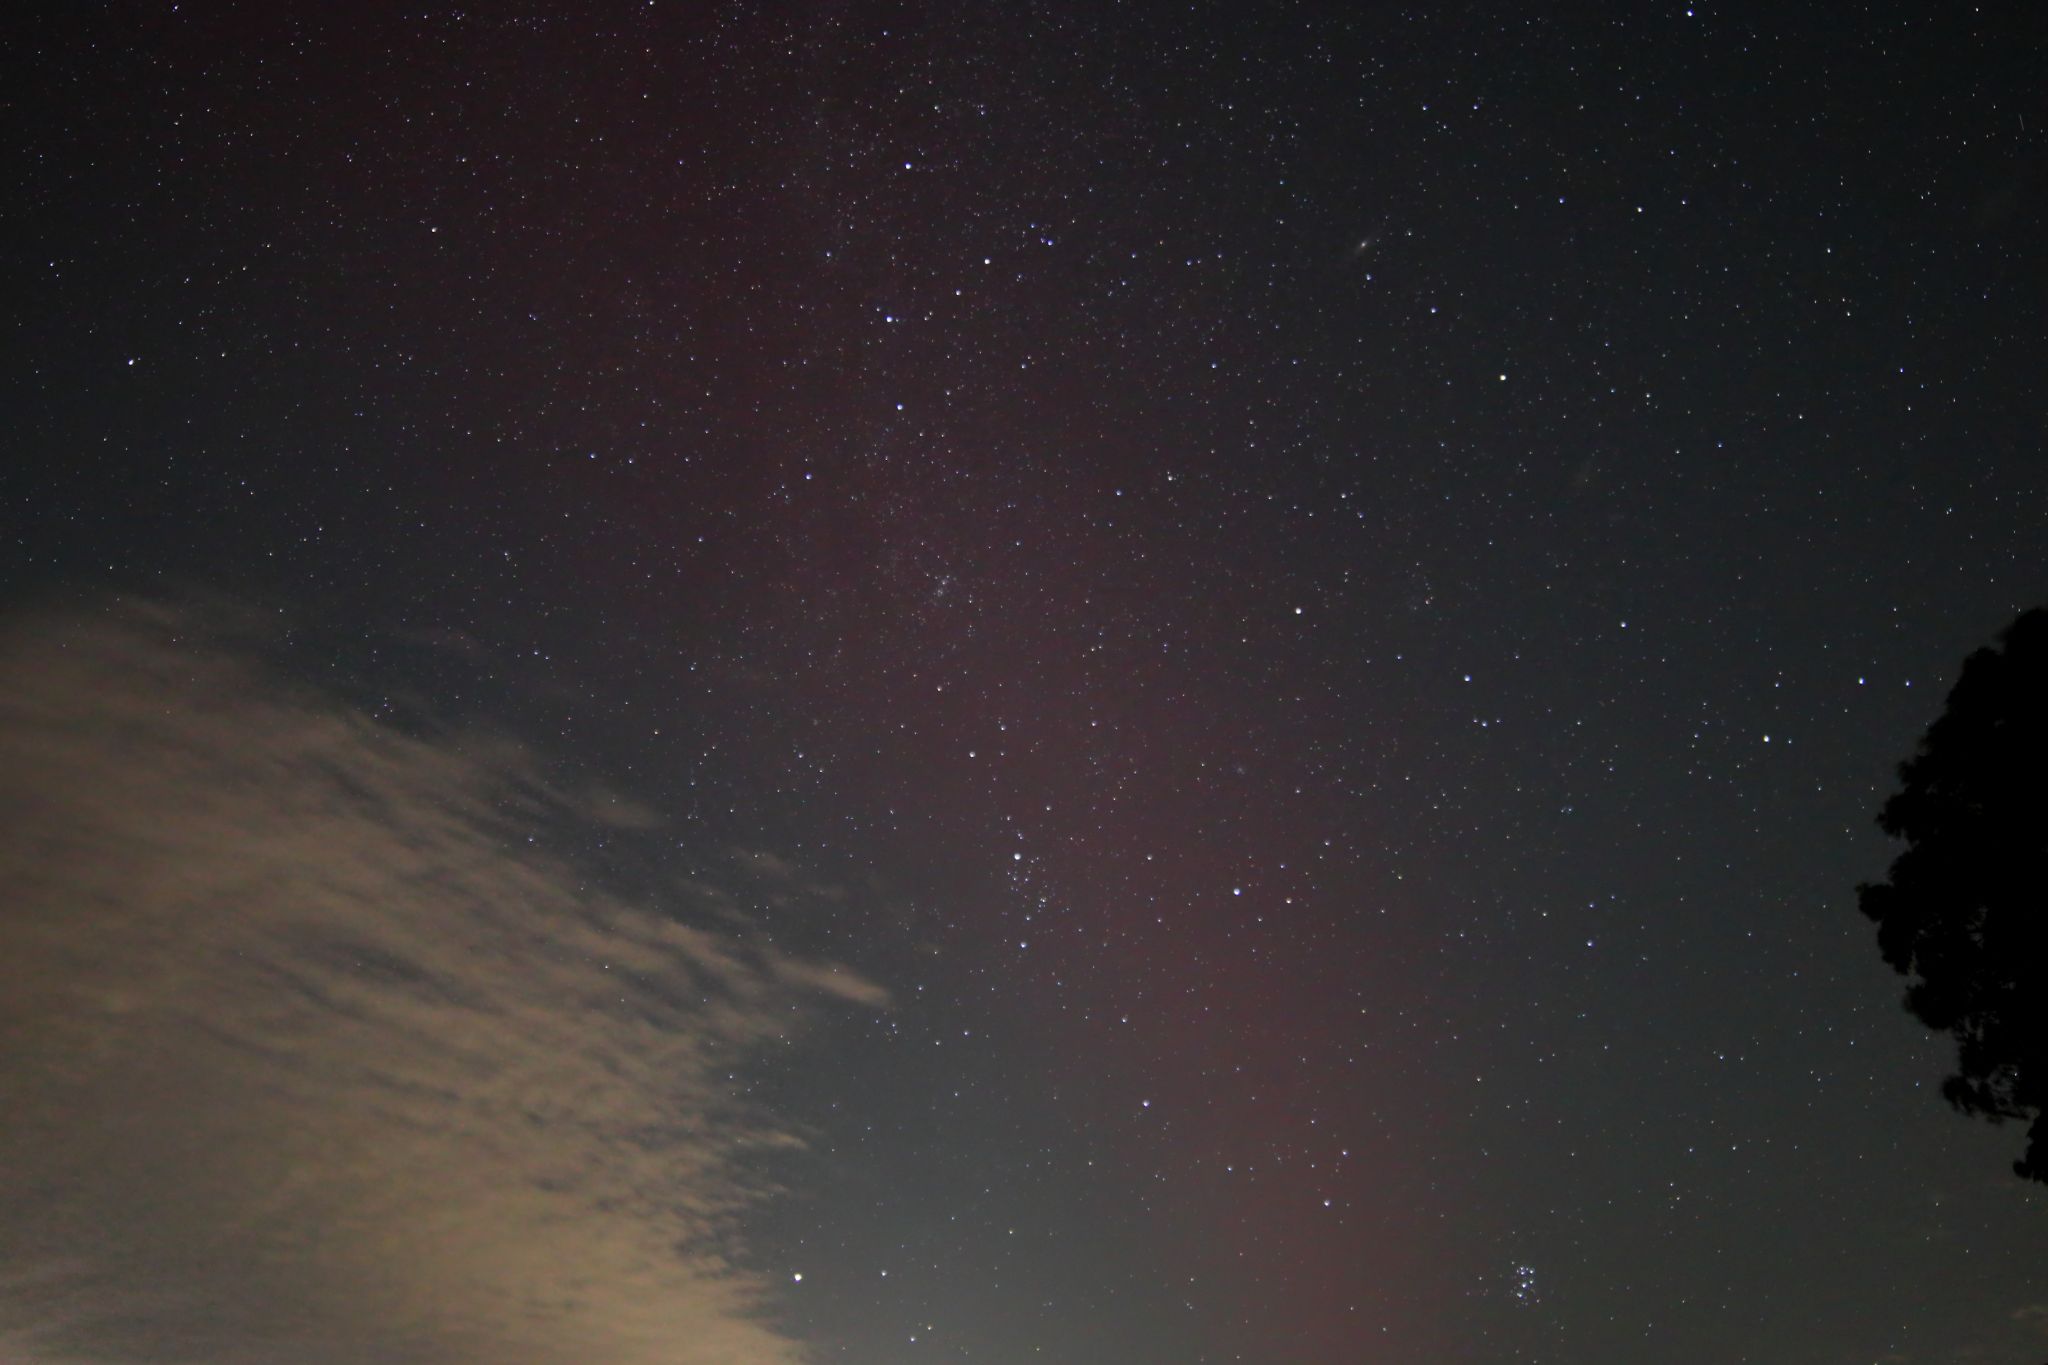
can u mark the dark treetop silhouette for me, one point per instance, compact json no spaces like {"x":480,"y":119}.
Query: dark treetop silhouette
{"x":1965,"y":909}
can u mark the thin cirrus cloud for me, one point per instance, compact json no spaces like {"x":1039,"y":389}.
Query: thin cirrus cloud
{"x":306,"y":1055}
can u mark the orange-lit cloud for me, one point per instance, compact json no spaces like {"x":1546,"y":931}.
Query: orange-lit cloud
{"x":308,"y":1055}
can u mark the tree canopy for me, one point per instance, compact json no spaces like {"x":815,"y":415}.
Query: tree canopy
{"x":1963,"y":913}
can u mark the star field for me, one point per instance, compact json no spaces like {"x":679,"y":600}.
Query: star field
{"x":1220,"y":673}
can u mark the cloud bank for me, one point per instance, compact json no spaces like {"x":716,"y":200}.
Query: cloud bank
{"x":307,"y":1054}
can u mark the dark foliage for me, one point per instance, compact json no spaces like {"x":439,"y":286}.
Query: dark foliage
{"x":1964,"y":911}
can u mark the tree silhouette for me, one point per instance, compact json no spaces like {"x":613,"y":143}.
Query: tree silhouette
{"x":1964,"y":913}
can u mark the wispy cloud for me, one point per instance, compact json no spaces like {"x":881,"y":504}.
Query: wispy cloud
{"x":307,"y":1054}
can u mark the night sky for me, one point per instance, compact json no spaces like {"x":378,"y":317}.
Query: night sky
{"x":717,"y":684}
